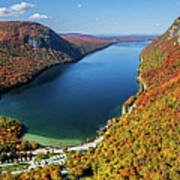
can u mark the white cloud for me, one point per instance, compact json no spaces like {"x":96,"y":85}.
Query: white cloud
{"x":15,"y":10}
{"x":79,"y":5}
{"x":38,"y":16}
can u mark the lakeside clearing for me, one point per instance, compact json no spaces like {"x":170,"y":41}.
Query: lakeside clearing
{"x":48,"y":141}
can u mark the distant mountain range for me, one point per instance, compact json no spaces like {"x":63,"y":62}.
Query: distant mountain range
{"x":133,"y":37}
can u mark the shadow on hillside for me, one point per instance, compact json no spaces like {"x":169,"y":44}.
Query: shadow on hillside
{"x":45,"y":77}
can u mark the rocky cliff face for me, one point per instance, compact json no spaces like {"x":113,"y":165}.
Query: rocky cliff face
{"x":174,"y":31}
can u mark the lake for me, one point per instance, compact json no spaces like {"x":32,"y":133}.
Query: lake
{"x":68,"y":103}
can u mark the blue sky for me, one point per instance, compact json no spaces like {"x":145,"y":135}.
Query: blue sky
{"x":95,"y":16}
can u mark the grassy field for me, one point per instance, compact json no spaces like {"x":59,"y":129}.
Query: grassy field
{"x":51,"y":141}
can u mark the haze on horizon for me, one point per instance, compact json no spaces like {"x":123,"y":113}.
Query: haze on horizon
{"x":95,"y":17}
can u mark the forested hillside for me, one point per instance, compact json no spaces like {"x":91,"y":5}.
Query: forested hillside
{"x":87,"y":44}
{"x":143,"y":144}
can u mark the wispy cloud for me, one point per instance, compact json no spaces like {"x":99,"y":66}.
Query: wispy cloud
{"x":38,"y":16}
{"x":158,"y":25}
{"x":79,"y":5}
{"x":15,"y":10}
{"x":97,"y":19}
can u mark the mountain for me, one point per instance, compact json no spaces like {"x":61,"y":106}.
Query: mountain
{"x":35,"y":35}
{"x":20,"y":33}
{"x":162,"y":57}
{"x":27,"y":48}
{"x":87,"y":43}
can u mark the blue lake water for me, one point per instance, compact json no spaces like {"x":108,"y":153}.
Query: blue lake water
{"x":72,"y":101}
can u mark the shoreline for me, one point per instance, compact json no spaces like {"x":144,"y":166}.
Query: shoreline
{"x":142,"y":87}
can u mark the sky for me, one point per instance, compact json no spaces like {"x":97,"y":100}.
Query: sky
{"x":114,"y":17}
